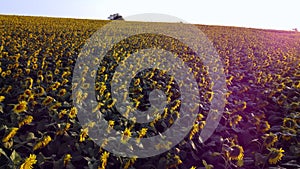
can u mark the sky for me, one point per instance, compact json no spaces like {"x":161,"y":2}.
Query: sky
{"x":268,"y":14}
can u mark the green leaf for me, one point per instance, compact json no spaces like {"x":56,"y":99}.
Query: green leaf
{"x":2,"y":152}
{"x":207,"y":166}
{"x":15,"y":157}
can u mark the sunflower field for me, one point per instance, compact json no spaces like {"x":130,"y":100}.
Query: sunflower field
{"x":39,"y":127}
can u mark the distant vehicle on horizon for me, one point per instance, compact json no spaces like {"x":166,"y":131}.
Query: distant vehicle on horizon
{"x":115,"y":16}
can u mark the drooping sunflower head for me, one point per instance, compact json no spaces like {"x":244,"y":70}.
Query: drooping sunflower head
{"x":263,"y":126}
{"x":48,"y":100}
{"x":235,"y":153}
{"x":288,"y":133}
{"x":39,"y":91}
{"x":275,"y":155}
{"x":270,"y":139}
{"x":235,"y":120}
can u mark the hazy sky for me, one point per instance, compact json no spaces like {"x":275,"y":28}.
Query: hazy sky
{"x":275,"y":14}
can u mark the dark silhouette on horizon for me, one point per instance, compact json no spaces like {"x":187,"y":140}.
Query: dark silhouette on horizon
{"x":116,"y":16}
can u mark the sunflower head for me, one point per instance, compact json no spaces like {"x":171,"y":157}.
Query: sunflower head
{"x":2,"y":98}
{"x":83,"y":134}
{"x":275,"y":155}
{"x":39,"y":91}
{"x":289,"y":123}
{"x":263,"y":126}
{"x":31,"y":160}
{"x":235,"y":120}
{"x":48,"y":100}
{"x":126,"y":135}
{"x":270,"y":139}
{"x":62,"y":92}
{"x":288,"y":133}
{"x":67,"y":159}
{"x":27,"y":92}
{"x":73,"y":112}
{"x":20,"y":107}
{"x":236,"y":152}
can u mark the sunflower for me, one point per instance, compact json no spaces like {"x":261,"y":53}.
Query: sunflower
{"x":40,"y":72}
{"x":55,"y":106}
{"x":29,"y":162}
{"x":10,"y":135}
{"x":65,"y":74}
{"x":49,"y":78}
{"x":27,"y":92}
{"x":130,"y":162}
{"x":65,"y":81}
{"x":20,"y":107}
{"x":19,"y":71}
{"x":275,"y":155}
{"x":104,"y":158}
{"x":113,"y":102}
{"x":93,"y":73}
{"x":39,"y":91}
{"x":73,"y":112}
{"x":62,"y":92}
{"x":126,"y":135}
{"x":25,"y":121}
{"x":234,"y":120}
{"x":56,"y":71}
{"x":83,"y":134}
{"x":194,"y":130}
{"x":27,"y":71}
{"x":34,"y":60}
{"x":30,"y":98}
{"x":280,"y":87}
{"x":270,"y":139}
{"x":8,"y":72}
{"x":9,"y":89}
{"x":55,"y":85}
{"x":85,"y":86}
{"x":288,"y":133}
{"x":22,"y":97}
{"x":44,"y":142}
{"x":40,"y":78}
{"x":142,"y":133}
{"x":296,"y":84}
{"x":235,"y":153}
{"x":111,"y":124}
{"x":35,"y":66}
{"x":289,"y":123}
{"x":67,"y":159}
{"x":178,"y":160}
{"x":2,"y":98}
{"x":3,"y":74}
{"x":294,"y":105}
{"x":263,"y":126}
{"x":47,"y":100}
